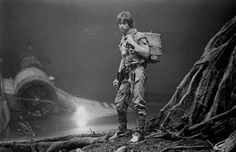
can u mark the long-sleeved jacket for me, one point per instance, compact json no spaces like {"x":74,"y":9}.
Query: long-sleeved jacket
{"x":129,"y":56}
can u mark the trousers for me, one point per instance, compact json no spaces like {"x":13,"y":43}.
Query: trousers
{"x":122,"y":100}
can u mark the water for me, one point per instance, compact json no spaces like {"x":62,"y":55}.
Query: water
{"x":62,"y":125}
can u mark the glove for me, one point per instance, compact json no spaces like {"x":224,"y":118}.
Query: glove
{"x":115,"y":82}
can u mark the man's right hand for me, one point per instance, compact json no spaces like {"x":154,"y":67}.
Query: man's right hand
{"x":115,"y":82}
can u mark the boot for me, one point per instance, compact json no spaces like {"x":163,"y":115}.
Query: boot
{"x":136,"y":137}
{"x":120,"y":133}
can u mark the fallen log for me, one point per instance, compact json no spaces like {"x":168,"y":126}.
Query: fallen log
{"x":50,"y":145}
{"x":73,"y":144}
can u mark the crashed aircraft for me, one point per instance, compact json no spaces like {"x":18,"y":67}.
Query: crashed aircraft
{"x":34,"y":94}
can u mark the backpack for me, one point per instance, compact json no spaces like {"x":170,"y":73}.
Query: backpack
{"x":154,"y":42}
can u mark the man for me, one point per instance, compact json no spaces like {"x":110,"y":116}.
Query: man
{"x":131,"y":76}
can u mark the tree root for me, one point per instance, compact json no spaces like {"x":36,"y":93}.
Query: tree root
{"x":186,"y":148}
{"x":222,"y":116}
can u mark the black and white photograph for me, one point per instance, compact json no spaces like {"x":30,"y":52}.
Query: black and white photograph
{"x":117,"y":76}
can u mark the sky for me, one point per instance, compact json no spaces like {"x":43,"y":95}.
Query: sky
{"x":77,"y":40}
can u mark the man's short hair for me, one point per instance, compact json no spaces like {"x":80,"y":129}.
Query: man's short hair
{"x":125,"y":17}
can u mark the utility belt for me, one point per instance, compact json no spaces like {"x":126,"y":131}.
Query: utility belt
{"x":131,"y":65}
{"x":128,"y":73}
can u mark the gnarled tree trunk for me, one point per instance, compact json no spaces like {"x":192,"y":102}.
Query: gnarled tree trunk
{"x":205,"y":100}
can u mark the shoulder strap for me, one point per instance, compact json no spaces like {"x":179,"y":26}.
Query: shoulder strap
{"x":138,"y":35}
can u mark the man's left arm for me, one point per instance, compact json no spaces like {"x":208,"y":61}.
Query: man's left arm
{"x":142,"y":48}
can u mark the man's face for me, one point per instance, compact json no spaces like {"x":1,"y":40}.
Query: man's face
{"x":124,"y":27}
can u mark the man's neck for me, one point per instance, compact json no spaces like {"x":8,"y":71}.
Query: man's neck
{"x":130,"y":31}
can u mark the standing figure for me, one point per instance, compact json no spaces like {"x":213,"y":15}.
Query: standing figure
{"x":131,"y":77}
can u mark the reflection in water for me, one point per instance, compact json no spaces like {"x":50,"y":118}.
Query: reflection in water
{"x":81,"y":122}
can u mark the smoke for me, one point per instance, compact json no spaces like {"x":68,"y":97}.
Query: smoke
{"x":77,"y":40}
